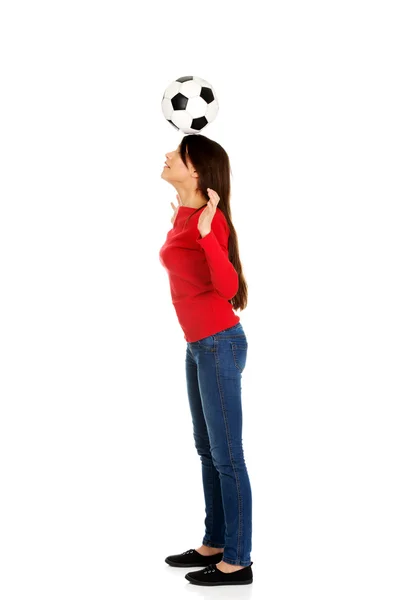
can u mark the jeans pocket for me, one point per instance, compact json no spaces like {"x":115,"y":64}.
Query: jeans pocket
{"x":239,"y":351}
{"x":208,"y":343}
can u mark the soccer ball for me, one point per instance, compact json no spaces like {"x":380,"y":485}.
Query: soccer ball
{"x":189,"y":104}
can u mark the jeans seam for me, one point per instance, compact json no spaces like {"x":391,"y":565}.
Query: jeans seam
{"x":213,"y":507}
{"x":237,"y":562}
{"x":231,"y":459}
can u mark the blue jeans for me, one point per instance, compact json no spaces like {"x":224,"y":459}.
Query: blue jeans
{"x":214,"y":367}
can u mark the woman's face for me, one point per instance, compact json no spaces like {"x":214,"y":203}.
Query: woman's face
{"x":176,"y":169}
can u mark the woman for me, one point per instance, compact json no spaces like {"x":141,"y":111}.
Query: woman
{"x":206,"y":282}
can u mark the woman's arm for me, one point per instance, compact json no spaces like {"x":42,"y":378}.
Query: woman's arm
{"x":215,"y":246}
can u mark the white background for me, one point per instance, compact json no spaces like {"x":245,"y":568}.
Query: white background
{"x":99,"y":475}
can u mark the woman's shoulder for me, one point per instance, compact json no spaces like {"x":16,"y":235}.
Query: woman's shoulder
{"x":221,"y":215}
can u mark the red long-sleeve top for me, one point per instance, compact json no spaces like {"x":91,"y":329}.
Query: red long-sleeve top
{"x":202,"y":278}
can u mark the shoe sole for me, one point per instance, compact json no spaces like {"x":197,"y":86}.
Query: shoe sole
{"x":218,"y":582}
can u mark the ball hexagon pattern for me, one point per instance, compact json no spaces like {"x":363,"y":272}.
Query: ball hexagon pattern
{"x":190,"y":104}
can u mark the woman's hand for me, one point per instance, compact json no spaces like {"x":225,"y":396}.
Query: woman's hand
{"x":206,"y":217}
{"x":175,"y":208}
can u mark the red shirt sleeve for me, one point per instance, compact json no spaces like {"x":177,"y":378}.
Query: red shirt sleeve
{"x":215,"y":245}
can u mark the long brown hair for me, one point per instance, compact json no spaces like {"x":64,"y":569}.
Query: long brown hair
{"x":212,"y":165}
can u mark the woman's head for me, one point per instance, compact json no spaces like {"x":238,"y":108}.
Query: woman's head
{"x":199,"y":163}
{"x":196,"y":164}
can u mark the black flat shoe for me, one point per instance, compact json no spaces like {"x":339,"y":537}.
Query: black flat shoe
{"x":192,"y":558}
{"x":213,"y":576}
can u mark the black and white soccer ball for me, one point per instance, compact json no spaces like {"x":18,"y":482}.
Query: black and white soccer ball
{"x":190,"y":104}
